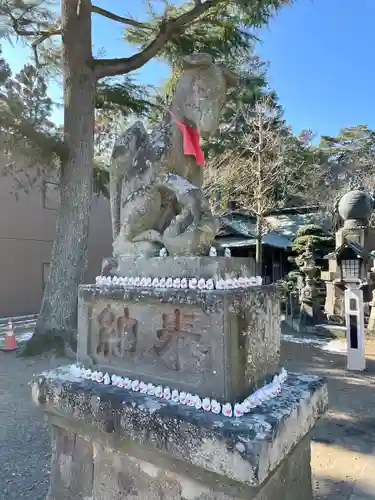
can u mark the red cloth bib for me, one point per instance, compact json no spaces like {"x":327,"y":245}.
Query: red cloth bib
{"x":191,"y":142}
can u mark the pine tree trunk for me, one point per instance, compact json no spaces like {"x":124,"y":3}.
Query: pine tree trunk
{"x":56,"y":325}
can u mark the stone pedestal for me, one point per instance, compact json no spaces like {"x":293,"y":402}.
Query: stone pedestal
{"x":112,"y":444}
{"x":220,"y":343}
{"x":334,"y":303}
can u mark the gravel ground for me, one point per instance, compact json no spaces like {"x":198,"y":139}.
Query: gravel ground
{"x":343,"y":448}
{"x":24,"y":438}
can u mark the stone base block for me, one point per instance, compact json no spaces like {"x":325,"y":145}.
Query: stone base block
{"x":111,"y":444}
{"x":184,"y":267}
{"x":91,"y":469}
{"x":217,"y":343}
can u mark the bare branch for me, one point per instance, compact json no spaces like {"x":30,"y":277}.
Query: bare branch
{"x":119,"y":19}
{"x":252,"y":172}
{"x":167,"y":28}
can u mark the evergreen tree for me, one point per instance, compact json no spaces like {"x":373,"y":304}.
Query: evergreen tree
{"x":350,"y":156}
{"x":309,"y":238}
{"x":316,"y":239}
{"x":305,"y":171}
{"x":81,"y":73}
{"x":226,"y":32}
{"x":26,"y":112}
{"x":235,"y":119}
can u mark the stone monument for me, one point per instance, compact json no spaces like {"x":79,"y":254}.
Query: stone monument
{"x":179,"y":393}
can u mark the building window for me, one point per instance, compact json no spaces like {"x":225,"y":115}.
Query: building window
{"x":45,"y":273}
{"x":51,"y":195}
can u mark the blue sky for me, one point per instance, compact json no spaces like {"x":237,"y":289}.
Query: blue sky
{"x":321,"y":54}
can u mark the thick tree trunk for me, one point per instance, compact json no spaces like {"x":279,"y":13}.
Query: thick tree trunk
{"x":57,"y":319}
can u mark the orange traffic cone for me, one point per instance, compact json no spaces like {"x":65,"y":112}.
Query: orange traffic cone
{"x":10,"y":343}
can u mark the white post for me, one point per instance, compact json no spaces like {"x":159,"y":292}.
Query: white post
{"x":355,"y":327}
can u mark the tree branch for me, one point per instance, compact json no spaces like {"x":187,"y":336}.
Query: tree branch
{"x":167,"y":28}
{"x":119,"y":19}
{"x":37,"y":33}
{"x":42,"y":33}
{"x":21,"y":128}
{"x":35,"y":45}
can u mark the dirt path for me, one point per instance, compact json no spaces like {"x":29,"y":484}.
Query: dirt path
{"x":343,"y":451}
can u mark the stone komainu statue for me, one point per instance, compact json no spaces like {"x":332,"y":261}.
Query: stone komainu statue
{"x":155,"y":186}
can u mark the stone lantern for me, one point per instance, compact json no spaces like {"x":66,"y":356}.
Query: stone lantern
{"x":310,"y":313}
{"x":351,"y":261}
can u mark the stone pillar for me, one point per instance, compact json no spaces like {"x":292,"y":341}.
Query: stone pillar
{"x":112,"y":443}
{"x":355,"y":328}
{"x":72,"y":464}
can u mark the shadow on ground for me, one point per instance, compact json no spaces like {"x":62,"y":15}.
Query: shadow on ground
{"x":328,"y":488}
{"x":343,"y":448}
{"x":351,"y":394}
